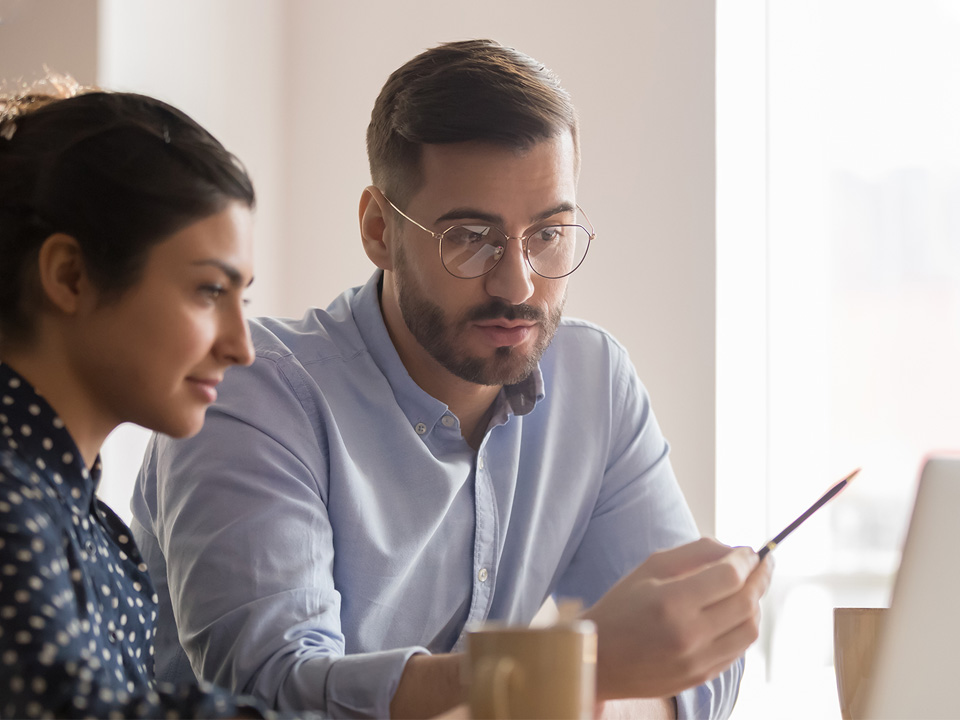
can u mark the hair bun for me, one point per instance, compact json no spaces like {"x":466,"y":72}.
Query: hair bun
{"x":53,"y":86}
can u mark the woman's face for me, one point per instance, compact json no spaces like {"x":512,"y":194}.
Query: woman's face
{"x":155,"y":355}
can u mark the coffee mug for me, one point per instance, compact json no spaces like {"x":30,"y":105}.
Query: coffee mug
{"x":855,"y":635}
{"x":522,"y":672}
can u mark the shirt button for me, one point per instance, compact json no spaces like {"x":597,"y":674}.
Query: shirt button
{"x":482,"y":575}
{"x":448,"y":420}
{"x":113,"y":636}
{"x":89,"y":546}
{"x":480,"y":462}
{"x":420,"y":428}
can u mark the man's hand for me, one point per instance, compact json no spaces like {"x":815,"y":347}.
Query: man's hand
{"x":680,"y":619}
{"x":636,"y":709}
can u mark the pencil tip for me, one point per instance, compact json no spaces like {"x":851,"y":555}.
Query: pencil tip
{"x":852,"y":475}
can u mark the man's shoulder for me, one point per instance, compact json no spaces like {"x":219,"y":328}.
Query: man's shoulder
{"x":301,"y":361}
{"x":573,"y":324}
{"x":585,"y":336}
{"x":583,"y":349}
{"x":315,"y":336}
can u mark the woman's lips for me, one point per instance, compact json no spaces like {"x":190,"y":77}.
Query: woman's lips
{"x":205,"y":389}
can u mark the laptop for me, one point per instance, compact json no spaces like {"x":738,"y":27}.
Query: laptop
{"x":917,"y":667}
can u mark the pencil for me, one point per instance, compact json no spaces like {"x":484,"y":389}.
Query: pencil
{"x":824,"y":499}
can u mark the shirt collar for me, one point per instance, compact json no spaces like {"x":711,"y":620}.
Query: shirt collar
{"x":31,"y":428}
{"x":417,"y":405}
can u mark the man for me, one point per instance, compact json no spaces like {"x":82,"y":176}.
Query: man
{"x":439,"y":447}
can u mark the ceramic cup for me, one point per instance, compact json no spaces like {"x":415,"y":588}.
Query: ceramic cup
{"x":521,"y":672}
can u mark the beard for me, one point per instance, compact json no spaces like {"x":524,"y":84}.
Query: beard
{"x":441,"y":337}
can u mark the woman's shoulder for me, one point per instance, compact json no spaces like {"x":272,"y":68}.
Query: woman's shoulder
{"x":15,"y":472}
{"x":26,"y":497}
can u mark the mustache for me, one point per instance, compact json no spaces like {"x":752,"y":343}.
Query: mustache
{"x":496,"y":309}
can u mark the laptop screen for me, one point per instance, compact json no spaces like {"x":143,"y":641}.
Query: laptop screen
{"x":916,"y":668}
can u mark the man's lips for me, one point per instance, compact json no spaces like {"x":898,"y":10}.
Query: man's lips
{"x":504,"y":323}
{"x":505,"y":333}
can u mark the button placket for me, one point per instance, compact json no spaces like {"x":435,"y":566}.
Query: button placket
{"x":485,"y":543}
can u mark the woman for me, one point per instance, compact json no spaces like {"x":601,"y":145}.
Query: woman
{"x":125,"y":248}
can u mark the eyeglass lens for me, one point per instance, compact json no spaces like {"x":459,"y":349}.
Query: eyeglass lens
{"x":469,"y":251}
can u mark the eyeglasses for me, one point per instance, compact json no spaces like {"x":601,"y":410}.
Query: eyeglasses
{"x":551,"y":251}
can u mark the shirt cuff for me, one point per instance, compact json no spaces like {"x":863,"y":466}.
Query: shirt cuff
{"x":363,"y":685}
{"x":713,"y":700}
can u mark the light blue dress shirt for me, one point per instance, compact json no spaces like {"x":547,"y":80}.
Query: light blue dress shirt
{"x":329,"y":521}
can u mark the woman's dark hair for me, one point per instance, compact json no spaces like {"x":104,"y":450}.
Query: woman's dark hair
{"x":457,"y":92}
{"x":117,"y":171}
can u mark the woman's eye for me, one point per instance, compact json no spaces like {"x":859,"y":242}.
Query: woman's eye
{"x":212,"y":292}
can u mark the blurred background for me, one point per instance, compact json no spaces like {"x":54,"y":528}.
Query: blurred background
{"x":775,"y":189}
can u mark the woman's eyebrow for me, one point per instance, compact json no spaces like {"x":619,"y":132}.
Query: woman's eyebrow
{"x":236,"y":279}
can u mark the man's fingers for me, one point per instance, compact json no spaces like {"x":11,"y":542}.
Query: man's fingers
{"x":684,"y":559}
{"x":719,"y":579}
{"x":723,"y":651}
{"x":712,"y":659}
{"x":738,"y":607}
{"x":763,"y":574}
{"x":734,"y":643}
{"x":693,"y":610}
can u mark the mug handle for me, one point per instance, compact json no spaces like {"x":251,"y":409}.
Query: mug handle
{"x":490,"y":693}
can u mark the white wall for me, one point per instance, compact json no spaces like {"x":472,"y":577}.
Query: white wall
{"x":61,"y":35}
{"x":289,"y":86}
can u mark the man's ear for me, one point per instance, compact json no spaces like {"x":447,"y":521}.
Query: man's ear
{"x":63,"y":273}
{"x":376,"y":227}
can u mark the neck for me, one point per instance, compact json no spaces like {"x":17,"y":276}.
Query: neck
{"x":470,"y":402}
{"x":473,"y":409}
{"x":56,"y":381}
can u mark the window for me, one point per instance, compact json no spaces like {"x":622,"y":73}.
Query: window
{"x":838,"y":303}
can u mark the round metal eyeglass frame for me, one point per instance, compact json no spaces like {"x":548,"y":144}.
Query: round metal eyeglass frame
{"x":524,"y":243}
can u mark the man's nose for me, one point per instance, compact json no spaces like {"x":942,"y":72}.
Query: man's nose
{"x":511,"y":280}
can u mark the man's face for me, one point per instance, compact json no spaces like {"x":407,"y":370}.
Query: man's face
{"x":490,"y":330}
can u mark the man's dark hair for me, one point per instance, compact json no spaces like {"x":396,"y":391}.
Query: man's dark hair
{"x":457,"y":92}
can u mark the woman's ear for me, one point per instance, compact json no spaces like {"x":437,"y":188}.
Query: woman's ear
{"x":376,"y":229}
{"x":63,"y":274}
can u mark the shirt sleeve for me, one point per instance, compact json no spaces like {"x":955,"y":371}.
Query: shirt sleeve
{"x":54,"y":657}
{"x":241,"y":518}
{"x":640,"y":509}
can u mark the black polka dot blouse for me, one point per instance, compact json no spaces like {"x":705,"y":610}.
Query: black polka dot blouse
{"x":77,"y":608}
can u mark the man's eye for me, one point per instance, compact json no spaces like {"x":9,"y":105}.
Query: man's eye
{"x":550,"y":234}
{"x":467,"y":234}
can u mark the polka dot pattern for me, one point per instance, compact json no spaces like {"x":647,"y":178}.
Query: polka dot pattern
{"x":69,"y":573}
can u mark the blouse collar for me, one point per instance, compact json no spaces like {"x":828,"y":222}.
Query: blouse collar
{"x":31,"y":428}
